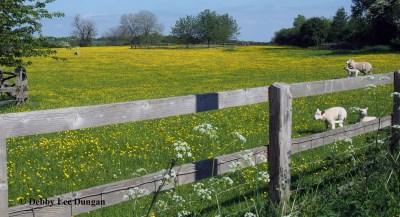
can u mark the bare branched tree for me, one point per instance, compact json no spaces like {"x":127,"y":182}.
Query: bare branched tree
{"x":141,"y":26}
{"x":84,"y":30}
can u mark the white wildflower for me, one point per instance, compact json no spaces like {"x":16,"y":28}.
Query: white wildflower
{"x":207,"y":129}
{"x":161,"y":205}
{"x":182,"y":149}
{"x":178,"y":199}
{"x":136,"y":193}
{"x":250,"y":214}
{"x":202,"y":192}
{"x":263,"y":176}
{"x":396,"y":126}
{"x":115,"y":176}
{"x":261,"y":158}
{"x":247,"y":158}
{"x":395,"y":94}
{"x":183,"y":213}
{"x":235,"y":166}
{"x":169,"y":175}
{"x":228,"y":180}
{"x":240,"y":136}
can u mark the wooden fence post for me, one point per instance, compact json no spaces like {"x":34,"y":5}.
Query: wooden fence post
{"x":396,"y":112}
{"x":3,"y":171}
{"x":21,"y":83}
{"x":280,"y":135}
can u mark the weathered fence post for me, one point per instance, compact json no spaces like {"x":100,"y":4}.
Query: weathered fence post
{"x":396,"y":112}
{"x":280,"y":135}
{"x":3,"y":171}
{"x":21,"y":82}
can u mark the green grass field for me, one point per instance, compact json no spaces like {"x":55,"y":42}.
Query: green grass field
{"x":42,"y":166}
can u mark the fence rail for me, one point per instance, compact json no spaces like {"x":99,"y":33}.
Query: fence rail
{"x":57,"y":120}
{"x":113,"y":193}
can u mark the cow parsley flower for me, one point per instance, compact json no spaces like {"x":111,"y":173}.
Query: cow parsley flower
{"x":250,"y":214}
{"x":263,"y":176}
{"x":182,"y":149}
{"x":239,"y":136}
{"x":395,"y":94}
{"x":261,"y":158}
{"x":207,"y":129}
{"x":183,"y":213}
{"x":135,"y":193}
{"x":202,"y":192}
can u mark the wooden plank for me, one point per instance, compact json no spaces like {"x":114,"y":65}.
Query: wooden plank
{"x":241,"y":97}
{"x":7,"y":102}
{"x":396,"y":113}
{"x":113,"y":193}
{"x":7,"y":89}
{"x":330,"y":86}
{"x":3,"y":170}
{"x":324,"y":138}
{"x":280,"y":128}
{"x":57,"y":120}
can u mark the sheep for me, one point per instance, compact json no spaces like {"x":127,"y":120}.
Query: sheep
{"x":334,"y":115}
{"x":351,"y":71}
{"x":363,"y":116}
{"x":364,"y":67}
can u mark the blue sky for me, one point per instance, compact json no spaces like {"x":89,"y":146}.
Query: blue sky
{"x":258,"y":19}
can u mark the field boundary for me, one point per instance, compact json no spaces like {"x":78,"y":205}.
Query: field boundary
{"x":58,"y":120}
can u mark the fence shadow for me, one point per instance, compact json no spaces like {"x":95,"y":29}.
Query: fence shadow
{"x":207,"y":102}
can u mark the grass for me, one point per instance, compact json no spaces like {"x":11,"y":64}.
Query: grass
{"x":41,"y":166}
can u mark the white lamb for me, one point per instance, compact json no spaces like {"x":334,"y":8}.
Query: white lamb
{"x":363,"y":116}
{"x":351,"y":71}
{"x":364,"y":67}
{"x":334,"y":115}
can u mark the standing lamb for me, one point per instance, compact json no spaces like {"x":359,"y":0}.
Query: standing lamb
{"x":351,"y":71}
{"x":364,"y":67}
{"x":363,"y":116}
{"x":334,"y":115}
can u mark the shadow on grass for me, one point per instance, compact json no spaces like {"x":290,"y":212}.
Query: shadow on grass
{"x":233,"y":202}
{"x":364,"y":51}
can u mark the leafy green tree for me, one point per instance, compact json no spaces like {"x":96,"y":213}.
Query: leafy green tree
{"x":213,"y":27}
{"x":290,"y":36}
{"x":228,"y":28}
{"x":299,"y":21}
{"x":382,"y":19}
{"x":339,"y":26}
{"x":186,"y":30}
{"x":286,"y":36}
{"x":314,"y":31}
{"x":19,"y":23}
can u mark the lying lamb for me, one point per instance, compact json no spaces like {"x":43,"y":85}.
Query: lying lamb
{"x":364,"y":67}
{"x":334,"y":115}
{"x":363,"y":116}
{"x":351,"y":71}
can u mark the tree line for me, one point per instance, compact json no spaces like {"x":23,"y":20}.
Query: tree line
{"x":371,"y":22}
{"x":143,"y":28}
